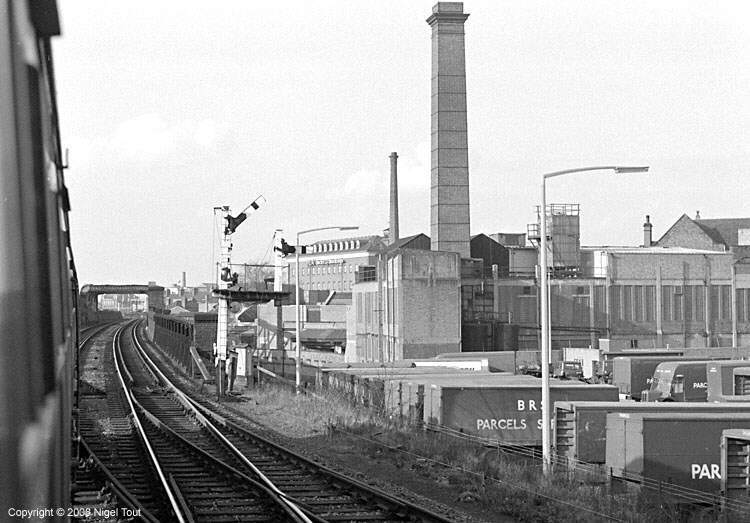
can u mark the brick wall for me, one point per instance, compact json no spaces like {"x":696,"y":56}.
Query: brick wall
{"x":685,"y":233}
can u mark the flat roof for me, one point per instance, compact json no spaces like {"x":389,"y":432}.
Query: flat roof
{"x":653,"y":250}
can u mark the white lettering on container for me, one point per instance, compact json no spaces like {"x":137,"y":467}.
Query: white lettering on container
{"x":705,"y":471}
{"x":501,"y":424}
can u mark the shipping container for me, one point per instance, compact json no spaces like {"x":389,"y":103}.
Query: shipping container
{"x":721,"y":377}
{"x":673,"y":448}
{"x":509,"y":411}
{"x":581,"y":427}
{"x":678,"y":381}
{"x":735,"y":464}
{"x":742,"y":381}
{"x":405,"y":395}
{"x":508,"y":361}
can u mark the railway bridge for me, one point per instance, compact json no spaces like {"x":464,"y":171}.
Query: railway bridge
{"x":89,"y":294}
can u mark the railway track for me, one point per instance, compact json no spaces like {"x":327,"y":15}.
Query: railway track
{"x":169,"y":458}
{"x":111,"y":451}
{"x":322,"y":494}
{"x":203,"y":482}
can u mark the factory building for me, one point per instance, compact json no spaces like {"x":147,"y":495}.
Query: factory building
{"x":407,"y":307}
{"x":690,"y":295}
{"x":384,"y":298}
{"x":331,"y":265}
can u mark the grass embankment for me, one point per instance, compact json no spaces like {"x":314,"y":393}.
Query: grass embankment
{"x":510,"y":483}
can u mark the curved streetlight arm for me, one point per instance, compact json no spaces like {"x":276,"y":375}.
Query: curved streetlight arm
{"x":617,"y":169}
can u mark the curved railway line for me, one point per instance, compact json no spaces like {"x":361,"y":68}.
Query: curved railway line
{"x":175,"y":459}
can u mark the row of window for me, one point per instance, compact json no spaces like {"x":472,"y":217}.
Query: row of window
{"x":346,"y":245}
{"x":326,"y":269}
{"x":637,"y":303}
{"x":328,"y":286}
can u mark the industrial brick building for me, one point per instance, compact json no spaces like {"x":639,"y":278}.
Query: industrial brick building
{"x":332,"y":264}
{"x":689,"y":289}
{"x":387,"y":298}
{"x":409,"y":307}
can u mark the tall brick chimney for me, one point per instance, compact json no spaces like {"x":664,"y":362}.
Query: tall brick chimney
{"x":647,"y":232}
{"x":393,"y":225}
{"x":449,"y":206}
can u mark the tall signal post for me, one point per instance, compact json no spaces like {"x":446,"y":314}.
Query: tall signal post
{"x":226,"y":279}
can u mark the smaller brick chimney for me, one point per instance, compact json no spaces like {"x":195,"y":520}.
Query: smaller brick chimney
{"x":647,"y":232}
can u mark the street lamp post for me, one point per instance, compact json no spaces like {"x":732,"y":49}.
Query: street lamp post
{"x":298,"y":353}
{"x":544,"y":313}
{"x":733,"y":290}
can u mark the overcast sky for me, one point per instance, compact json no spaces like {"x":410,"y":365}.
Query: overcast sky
{"x":172,"y":108}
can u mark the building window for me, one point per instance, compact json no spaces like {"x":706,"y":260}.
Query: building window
{"x":699,"y":311}
{"x":677,"y":303}
{"x":627,"y":302}
{"x":614,"y":299}
{"x":740,"y":300}
{"x":638,"y":303}
{"x":649,"y":303}
{"x":726,"y":302}
{"x":714,"y":293}
{"x":666,"y":303}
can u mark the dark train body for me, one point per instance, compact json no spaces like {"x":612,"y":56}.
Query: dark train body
{"x":38,"y":283}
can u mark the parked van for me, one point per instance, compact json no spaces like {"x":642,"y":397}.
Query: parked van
{"x":678,"y":381}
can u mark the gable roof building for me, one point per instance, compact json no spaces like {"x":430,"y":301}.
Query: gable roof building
{"x":719,"y":234}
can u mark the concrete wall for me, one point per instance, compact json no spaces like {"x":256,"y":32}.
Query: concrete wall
{"x":412,"y":311}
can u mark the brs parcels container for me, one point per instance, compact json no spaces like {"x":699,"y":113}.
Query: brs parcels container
{"x":405,"y":396}
{"x":722,"y":380}
{"x":735,"y":464}
{"x":508,"y":412}
{"x":581,"y":426}
{"x":677,"y":448}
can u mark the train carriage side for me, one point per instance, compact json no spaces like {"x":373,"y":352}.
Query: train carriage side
{"x":38,"y":328}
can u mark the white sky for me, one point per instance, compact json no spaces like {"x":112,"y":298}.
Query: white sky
{"x":171,"y":108}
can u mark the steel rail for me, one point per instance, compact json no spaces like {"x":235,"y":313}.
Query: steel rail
{"x":120,"y":491}
{"x":205,"y":455}
{"x":173,"y":500}
{"x":189,"y":405}
{"x":203,"y":413}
